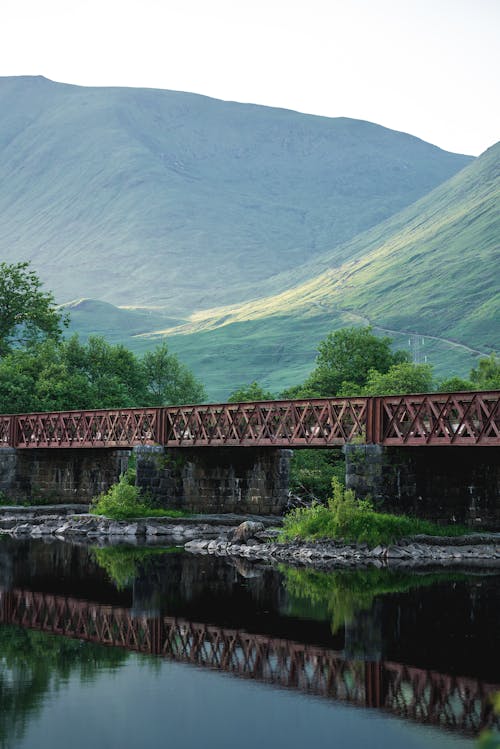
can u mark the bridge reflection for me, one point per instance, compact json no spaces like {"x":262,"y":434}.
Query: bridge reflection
{"x":455,"y":703}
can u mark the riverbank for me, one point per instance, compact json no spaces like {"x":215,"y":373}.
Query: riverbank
{"x":249,"y":537}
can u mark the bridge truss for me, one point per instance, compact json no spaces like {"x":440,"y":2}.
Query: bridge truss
{"x":436,"y":419}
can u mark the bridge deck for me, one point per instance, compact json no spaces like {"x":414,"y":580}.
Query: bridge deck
{"x":466,"y":419}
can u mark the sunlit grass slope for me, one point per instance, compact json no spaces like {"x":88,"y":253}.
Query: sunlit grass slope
{"x":433,"y":270}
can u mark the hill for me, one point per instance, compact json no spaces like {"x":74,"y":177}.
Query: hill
{"x":167,"y":199}
{"x":431,"y":270}
{"x":116,"y":324}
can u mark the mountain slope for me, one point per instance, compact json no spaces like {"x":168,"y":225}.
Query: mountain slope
{"x":144,"y":197}
{"x":433,"y":270}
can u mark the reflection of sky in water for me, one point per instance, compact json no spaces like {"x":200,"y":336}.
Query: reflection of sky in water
{"x":154,"y":703}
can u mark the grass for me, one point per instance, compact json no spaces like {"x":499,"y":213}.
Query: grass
{"x":352,"y":520}
{"x":124,"y":501}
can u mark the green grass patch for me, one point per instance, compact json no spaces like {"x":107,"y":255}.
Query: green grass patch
{"x":124,"y":501}
{"x":346,"y":518}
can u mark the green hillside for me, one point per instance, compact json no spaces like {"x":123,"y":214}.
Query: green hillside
{"x":433,"y":270}
{"x":116,"y":324}
{"x":149,"y":198}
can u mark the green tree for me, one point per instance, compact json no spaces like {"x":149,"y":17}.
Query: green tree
{"x":167,"y":381}
{"x":252,"y":392}
{"x":487,"y":374}
{"x":27,"y":313}
{"x":454,"y":385}
{"x":113,"y":374}
{"x":345,"y":359}
{"x":405,"y":377}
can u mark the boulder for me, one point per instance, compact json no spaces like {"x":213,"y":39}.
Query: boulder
{"x":246,"y":530}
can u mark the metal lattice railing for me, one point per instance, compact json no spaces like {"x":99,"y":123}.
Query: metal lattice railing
{"x":300,"y":423}
{"x":471,"y":418}
{"x":441,"y":419}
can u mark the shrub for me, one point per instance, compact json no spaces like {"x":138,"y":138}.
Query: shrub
{"x":354,"y":520}
{"x":124,"y":500}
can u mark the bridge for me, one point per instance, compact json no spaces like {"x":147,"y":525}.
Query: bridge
{"x":191,"y":457}
{"x":439,"y":419}
{"x":455,"y":703}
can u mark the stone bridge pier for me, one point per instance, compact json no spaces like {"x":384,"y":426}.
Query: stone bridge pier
{"x":42,"y":476}
{"x":444,"y":484}
{"x":215,"y":480}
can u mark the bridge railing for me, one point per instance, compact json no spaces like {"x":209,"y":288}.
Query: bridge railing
{"x":318,"y":422}
{"x":98,"y":428}
{"x":470,"y":418}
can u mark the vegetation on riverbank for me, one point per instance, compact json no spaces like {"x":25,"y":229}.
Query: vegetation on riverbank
{"x":124,"y":500}
{"x":346,"y":518}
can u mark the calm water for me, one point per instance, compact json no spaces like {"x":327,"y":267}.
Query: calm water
{"x":159,"y":648}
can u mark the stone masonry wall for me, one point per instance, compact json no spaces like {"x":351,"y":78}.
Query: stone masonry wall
{"x":59,"y":476}
{"x":215,"y":480}
{"x":449,"y":484}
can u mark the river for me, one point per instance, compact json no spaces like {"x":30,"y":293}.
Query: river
{"x":145,"y":647}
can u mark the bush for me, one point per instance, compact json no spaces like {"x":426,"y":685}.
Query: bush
{"x":355,"y":521}
{"x":124,"y":500}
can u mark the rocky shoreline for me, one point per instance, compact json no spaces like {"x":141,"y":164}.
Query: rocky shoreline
{"x":248,"y":537}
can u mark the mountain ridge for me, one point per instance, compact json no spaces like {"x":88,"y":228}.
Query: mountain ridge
{"x":150,"y":197}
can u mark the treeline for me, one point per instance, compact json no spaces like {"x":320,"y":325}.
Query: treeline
{"x":354,"y":361}
{"x":40,"y":370}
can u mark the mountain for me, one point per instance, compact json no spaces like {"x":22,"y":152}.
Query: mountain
{"x":145,"y":198}
{"x":431,"y":271}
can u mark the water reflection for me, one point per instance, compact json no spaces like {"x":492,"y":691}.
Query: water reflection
{"x":368,"y":638}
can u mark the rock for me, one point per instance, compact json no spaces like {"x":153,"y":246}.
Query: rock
{"x":245,"y":531}
{"x":131,"y":530}
{"x":396,"y":552}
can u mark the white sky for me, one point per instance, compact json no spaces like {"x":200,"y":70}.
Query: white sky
{"x":427,"y":67}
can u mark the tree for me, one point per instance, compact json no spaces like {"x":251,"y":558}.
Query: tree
{"x":400,"y":379}
{"x":345,"y":359}
{"x":252,"y":392}
{"x":168,"y":381}
{"x":27,"y":313}
{"x":454,"y":385}
{"x":487,"y":374}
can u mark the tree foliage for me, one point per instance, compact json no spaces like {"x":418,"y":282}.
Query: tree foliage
{"x":71,"y":374}
{"x":487,"y":374}
{"x":168,"y":381}
{"x":251,"y":392}
{"x":27,"y":313}
{"x":345,"y":359}
{"x":405,"y":377}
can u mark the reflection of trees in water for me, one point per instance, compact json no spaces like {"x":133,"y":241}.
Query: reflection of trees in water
{"x":124,"y":564}
{"x":34,"y":664}
{"x":490,"y":739}
{"x":343,"y":595}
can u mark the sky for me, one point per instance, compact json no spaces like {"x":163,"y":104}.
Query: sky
{"x":426,"y":67}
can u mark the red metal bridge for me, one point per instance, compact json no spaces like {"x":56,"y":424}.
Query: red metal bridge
{"x":436,"y":419}
{"x":456,"y":703}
